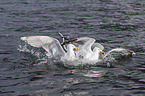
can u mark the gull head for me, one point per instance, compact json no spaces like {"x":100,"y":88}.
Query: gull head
{"x":73,"y":46}
{"x":98,"y":50}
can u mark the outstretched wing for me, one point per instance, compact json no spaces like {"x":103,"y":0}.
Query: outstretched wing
{"x":97,"y":45}
{"x":51,"y":45}
{"x":120,"y":52}
{"x":84,"y":44}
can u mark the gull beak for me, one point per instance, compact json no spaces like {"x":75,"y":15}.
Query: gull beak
{"x":102,"y":52}
{"x":76,"y":48}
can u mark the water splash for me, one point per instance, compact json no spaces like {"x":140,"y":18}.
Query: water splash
{"x":43,"y":58}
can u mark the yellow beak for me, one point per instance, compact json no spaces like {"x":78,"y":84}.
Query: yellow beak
{"x":102,"y":52}
{"x":76,"y":48}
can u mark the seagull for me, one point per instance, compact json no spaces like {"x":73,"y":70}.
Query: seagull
{"x":90,"y":50}
{"x":86,"y":48}
{"x":119,"y":52}
{"x":52,"y":46}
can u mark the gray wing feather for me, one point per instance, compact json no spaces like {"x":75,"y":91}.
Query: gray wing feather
{"x":121,"y":51}
{"x":51,"y":45}
{"x":84,"y":44}
{"x":97,"y":45}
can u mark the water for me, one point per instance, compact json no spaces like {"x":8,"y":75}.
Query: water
{"x":113,"y":23}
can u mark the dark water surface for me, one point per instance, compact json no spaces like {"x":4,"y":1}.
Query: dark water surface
{"x":113,"y":23}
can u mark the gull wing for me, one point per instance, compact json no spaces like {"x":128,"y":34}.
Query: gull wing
{"x":97,"y":45}
{"x":51,"y":45}
{"x":88,"y":42}
{"x":120,"y":52}
{"x":84,"y":44}
{"x":85,"y":41}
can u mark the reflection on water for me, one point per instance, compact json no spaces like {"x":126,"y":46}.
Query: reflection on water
{"x":94,"y":73}
{"x":50,"y":83}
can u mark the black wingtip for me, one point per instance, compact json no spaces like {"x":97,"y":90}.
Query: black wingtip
{"x":131,"y":53}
